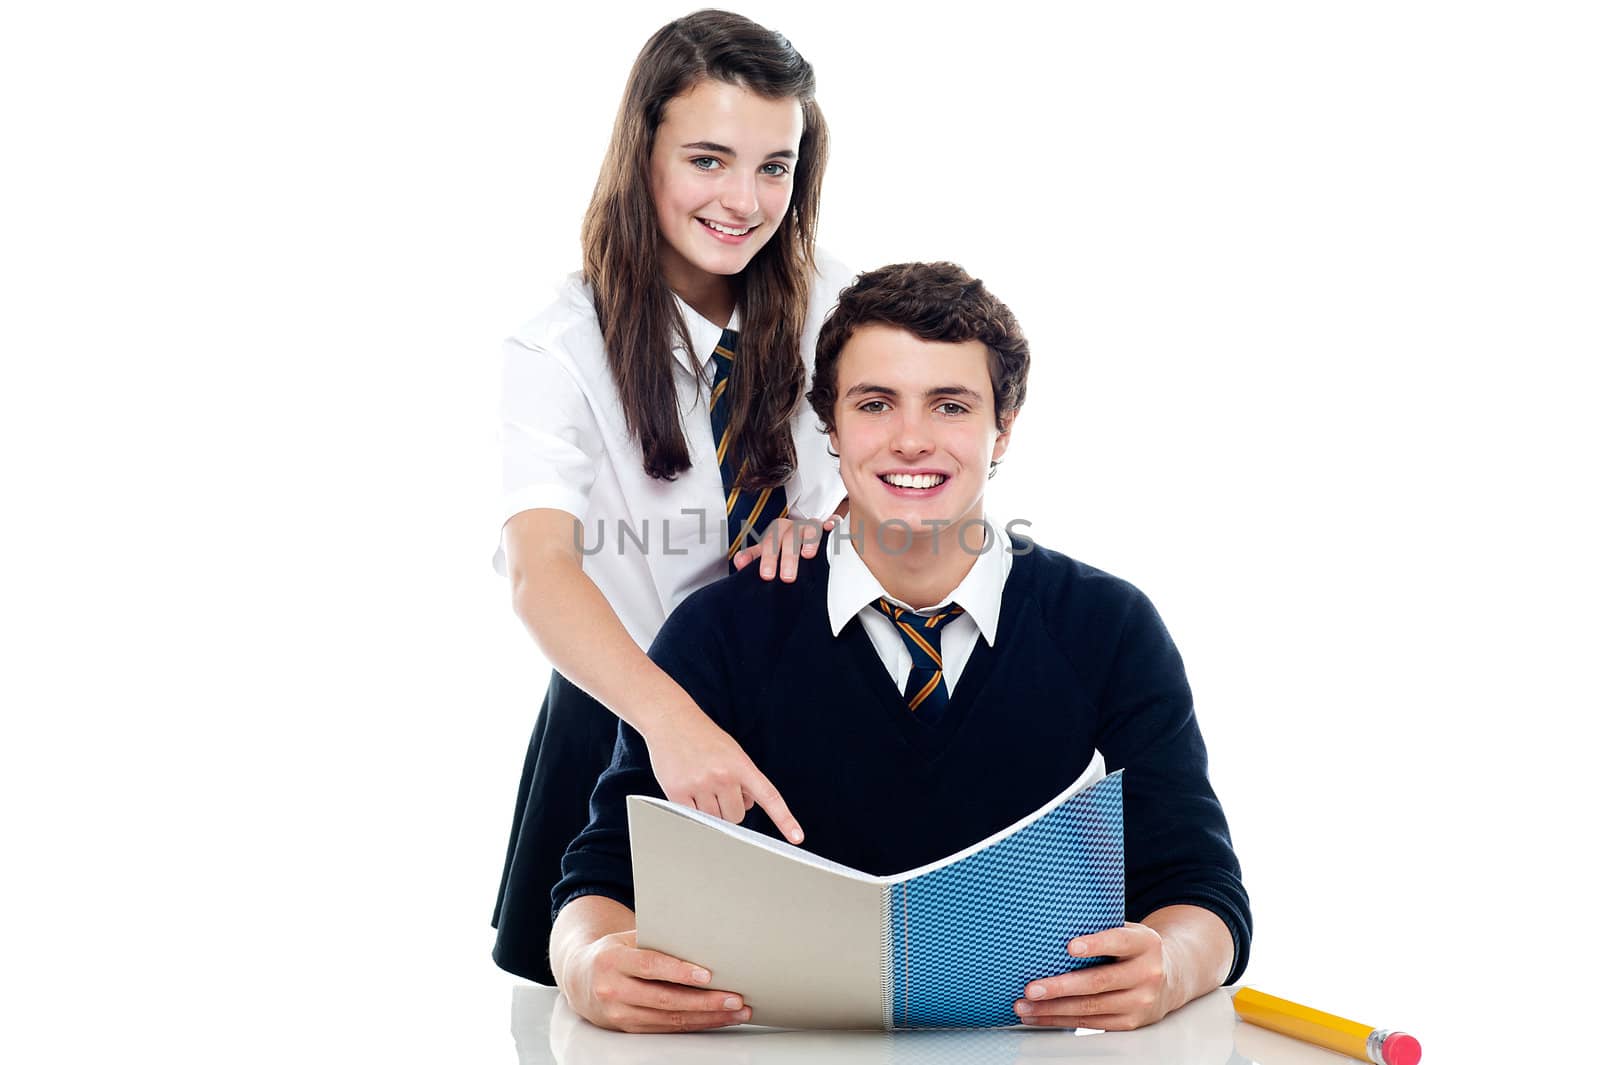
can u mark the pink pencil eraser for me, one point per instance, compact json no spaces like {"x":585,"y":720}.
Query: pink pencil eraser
{"x":1401,"y":1049}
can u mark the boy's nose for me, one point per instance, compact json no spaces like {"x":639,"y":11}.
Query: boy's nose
{"x":911,"y":437}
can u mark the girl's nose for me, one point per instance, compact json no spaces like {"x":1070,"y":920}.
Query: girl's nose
{"x":739,"y":194}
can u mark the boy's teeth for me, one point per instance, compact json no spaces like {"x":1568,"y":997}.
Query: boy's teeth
{"x":725,"y":229}
{"x":914,"y":480}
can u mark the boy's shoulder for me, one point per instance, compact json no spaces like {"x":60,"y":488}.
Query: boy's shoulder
{"x":742,"y":608}
{"x":1082,"y":610}
{"x":1058,"y":580}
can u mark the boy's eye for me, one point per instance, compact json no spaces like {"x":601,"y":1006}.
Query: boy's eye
{"x":874,"y":406}
{"x":952,"y":408}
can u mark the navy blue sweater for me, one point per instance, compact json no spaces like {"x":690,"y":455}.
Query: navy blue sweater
{"x":1081,"y":661}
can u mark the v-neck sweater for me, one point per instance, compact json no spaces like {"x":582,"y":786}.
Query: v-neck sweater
{"x":1081,"y":662}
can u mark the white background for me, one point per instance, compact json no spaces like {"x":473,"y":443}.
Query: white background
{"x":1311,"y":291}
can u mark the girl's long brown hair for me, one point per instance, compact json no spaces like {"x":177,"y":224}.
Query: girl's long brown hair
{"x":621,"y":259}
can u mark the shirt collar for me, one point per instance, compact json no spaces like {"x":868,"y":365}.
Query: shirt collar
{"x":852,"y":587}
{"x":704,"y":333}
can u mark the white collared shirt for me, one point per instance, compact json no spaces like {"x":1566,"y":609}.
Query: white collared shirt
{"x":852,"y":591}
{"x":565,"y":445}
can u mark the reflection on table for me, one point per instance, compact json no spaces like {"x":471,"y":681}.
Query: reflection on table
{"x":1205,"y":1032}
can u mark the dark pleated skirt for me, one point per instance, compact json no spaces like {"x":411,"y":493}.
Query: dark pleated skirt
{"x":571,"y":747}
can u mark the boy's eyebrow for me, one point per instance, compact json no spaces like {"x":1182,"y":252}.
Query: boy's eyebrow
{"x":867,"y":387}
{"x":713,"y":146}
{"x":955,"y":390}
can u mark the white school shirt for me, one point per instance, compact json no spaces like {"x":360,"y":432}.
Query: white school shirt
{"x":565,"y":446}
{"x":852,"y":591}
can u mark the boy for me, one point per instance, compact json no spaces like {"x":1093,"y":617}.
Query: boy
{"x":928,"y":685}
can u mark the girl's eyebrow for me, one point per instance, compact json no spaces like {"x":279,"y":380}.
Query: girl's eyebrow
{"x":713,"y":146}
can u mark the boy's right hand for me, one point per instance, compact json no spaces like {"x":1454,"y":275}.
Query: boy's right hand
{"x":615,"y":984}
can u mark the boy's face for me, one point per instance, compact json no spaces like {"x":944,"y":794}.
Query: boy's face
{"x":914,"y":427}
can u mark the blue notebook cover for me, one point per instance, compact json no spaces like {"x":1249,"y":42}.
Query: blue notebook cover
{"x":965,"y":938}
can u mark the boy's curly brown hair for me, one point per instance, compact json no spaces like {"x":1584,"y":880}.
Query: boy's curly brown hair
{"x":934,"y":301}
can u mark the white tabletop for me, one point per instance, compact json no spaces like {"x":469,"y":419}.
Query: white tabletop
{"x":1205,"y":1032}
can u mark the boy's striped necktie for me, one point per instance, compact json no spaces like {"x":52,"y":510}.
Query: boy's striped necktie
{"x":749,"y":512}
{"x":925,"y":694}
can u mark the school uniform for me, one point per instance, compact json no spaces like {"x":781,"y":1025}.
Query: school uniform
{"x":853,"y":595}
{"x":1061,"y":659}
{"x":648,"y":544}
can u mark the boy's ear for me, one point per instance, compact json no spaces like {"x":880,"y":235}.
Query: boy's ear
{"x":1008,"y":422}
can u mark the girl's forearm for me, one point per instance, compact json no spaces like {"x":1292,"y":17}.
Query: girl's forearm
{"x":577,"y":629}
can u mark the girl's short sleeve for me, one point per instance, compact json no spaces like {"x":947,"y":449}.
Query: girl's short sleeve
{"x":550,"y":442}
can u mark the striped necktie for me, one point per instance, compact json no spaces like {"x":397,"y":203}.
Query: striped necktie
{"x":926,"y":694}
{"x":748,"y":512}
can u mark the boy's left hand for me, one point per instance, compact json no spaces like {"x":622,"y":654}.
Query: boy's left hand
{"x":1131,"y":992}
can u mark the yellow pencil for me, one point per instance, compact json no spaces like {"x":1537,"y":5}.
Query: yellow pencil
{"x":1380,"y":1046}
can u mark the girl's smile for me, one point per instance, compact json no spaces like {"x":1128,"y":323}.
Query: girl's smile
{"x":726,"y":232}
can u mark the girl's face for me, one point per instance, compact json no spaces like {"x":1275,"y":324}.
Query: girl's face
{"x":721,"y":174}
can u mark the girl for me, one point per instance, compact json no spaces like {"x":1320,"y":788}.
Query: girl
{"x":652,"y":429}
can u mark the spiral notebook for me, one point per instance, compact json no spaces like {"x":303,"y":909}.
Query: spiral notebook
{"x":812,"y":943}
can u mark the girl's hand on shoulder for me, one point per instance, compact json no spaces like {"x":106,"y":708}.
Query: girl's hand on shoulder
{"x":785,"y":542}
{"x":698,"y":764}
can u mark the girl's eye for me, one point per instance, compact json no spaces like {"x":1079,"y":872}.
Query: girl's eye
{"x":775,"y":170}
{"x":705,"y":162}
